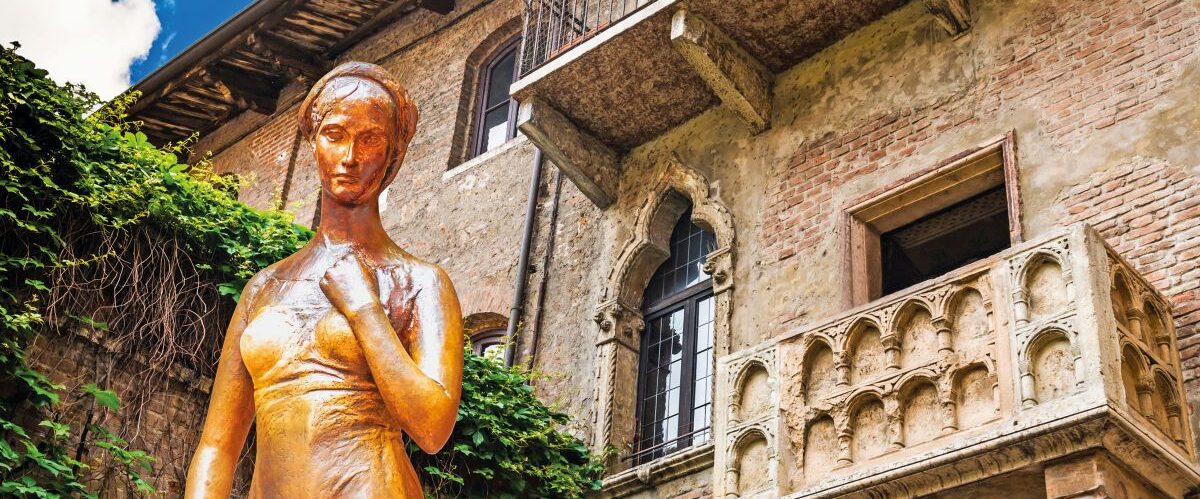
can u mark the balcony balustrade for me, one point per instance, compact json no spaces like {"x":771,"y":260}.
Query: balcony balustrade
{"x":1051,"y":348}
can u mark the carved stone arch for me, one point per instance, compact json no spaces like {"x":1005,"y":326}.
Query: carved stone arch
{"x":460,"y":145}
{"x":1037,"y":303}
{"x":908,"y":308}
{"x":948,"y":306}
{"x":922,"y":408}
{"x":1158,"y":326}
{"x":483,"y":321}
{"x":907,"y":382}
{"x":1168,"y":408}
{"x":1136,"y":379}
{"x":1044,"y":352}
{"x":619,"y":315}
{"x":636,"y":260}
{"x":861,"y":396}
{"x":867,"y":425}
{"x":966,"y":329}
{"x":865,"y":359}
{"x":854,"y":329}
{"x":742,"y":477}
{"x":918,"y":344}
{"x":766,"y":460}
{"x":976,"y":399}
{"x":738,"y":404}
{"x":823,"y":450}
{"x":812,"y":346}
{"x":1038,"y":257}
{"x":1123,"y":299}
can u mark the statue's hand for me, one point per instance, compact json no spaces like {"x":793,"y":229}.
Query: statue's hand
{"x":350,"y":285}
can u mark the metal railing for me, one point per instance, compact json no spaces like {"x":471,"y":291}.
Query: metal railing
{"x":554,"y":26}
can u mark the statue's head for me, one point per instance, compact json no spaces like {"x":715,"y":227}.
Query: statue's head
{"x":359,"y":120}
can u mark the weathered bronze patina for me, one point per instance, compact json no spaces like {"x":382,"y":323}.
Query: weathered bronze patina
{"x":340,"y":349}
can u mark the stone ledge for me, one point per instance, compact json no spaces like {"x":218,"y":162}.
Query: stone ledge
{"x":664,"y":469}
{"x":486,"y":157}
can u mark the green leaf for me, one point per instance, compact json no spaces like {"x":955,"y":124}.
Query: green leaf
{"x":105,"y":398}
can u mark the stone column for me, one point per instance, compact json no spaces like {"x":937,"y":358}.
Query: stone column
{"x":620,"y":327}
{"x":891,"y":349}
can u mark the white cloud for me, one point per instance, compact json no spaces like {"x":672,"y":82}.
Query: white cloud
{"x":162,"y":56}
{"x":92,"y":42}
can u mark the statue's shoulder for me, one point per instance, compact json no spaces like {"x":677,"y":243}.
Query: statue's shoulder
{"x":417,"y":273}
{"x":260,"y":280}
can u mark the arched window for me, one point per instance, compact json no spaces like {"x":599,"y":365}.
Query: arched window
{"x":496,"y":113}
{"x":676,"y":366}
{"x":489,"y":344}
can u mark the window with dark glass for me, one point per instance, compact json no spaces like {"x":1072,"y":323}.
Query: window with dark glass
{"x":495,"y":120}
{"x":676,"y":365}
{"x":489,"y":344}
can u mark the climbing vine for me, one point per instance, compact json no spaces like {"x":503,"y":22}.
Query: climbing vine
{"x":105,"y":235}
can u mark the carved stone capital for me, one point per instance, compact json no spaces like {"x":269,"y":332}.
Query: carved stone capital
{"x":619,"y":323}
{"x":719,"y":265}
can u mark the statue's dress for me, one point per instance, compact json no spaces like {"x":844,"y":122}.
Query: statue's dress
{"x":322,"y":429}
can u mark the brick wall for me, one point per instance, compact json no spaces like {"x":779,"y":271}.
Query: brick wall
{"x":161,"y":412}
{"x":1089,"y":65}
{"x":1149,"y":211}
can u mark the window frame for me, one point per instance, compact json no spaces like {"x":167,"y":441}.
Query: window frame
{"x":950,"y":181}
{"x":482,"y":89}
{"x":688,"y":300}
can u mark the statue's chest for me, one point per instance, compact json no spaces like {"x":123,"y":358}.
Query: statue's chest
{"x":299,"y":332}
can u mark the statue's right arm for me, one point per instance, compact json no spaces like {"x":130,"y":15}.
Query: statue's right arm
{"x":230,"y":413}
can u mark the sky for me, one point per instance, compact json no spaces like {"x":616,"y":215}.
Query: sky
{"x":108,"y":45}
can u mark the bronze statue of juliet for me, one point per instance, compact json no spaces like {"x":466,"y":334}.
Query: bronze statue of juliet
{"x":339,"y":350}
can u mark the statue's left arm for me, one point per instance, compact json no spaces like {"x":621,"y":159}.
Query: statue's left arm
{"x":421,"y":384}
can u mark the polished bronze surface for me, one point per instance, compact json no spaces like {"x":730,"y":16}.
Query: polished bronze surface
{"x":340,"y":349}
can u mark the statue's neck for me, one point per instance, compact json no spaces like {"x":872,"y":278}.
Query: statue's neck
{"x":356,"y":225}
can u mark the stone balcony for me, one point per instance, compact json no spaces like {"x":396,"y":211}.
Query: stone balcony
{"x":600,"y":77}
{"x":988,"y":378}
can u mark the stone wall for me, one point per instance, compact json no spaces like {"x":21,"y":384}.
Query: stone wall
{"x":464,"y":214}
{"x":1099,"y":95}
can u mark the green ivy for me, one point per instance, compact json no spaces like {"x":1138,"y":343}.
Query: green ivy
{"x":506,"y":443}
{"x":58,"y":163}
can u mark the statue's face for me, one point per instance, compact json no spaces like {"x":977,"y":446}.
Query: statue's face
{"x":352,"y":141}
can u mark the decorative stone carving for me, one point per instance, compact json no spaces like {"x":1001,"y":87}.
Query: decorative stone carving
{"x":861,"y":401}
{"x":619,"y":320}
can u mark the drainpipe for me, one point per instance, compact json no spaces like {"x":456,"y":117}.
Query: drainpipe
{"x":518,"y":302}
{"x":536,"y":330}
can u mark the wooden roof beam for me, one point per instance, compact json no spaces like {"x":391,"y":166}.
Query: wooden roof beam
{"x":248,"y":93}
{"x":386,"y":16}
{"x":439,"y":6}
{"x":287,"y":57}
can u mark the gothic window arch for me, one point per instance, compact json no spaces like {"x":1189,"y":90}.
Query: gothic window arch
{"x":675,"y":373}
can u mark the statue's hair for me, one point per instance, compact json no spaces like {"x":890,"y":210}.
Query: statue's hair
{"x":318,"y":103}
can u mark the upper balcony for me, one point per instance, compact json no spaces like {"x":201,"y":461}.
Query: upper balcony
{"x":1053,"y":348}
{"x":600,"y":77}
